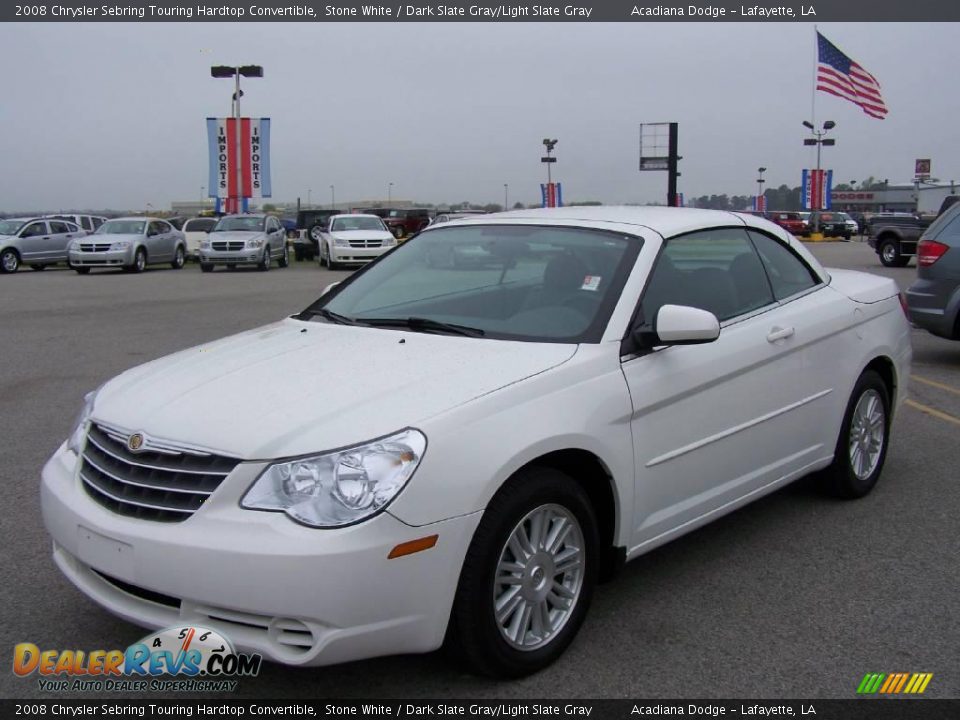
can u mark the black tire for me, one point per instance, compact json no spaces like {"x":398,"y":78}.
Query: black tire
{"x":139,"y":262}
{"x":298,"y":254}
{"x":890,"y":255}
{"x":82,"y":270}
{"x":399,"y":232}
{"x":38,"y":268}
{"x":179,"y":258}
{"x":841,"y":478}
{"x":206,"y":267}
{"x":264,"y":263}
{"x":9,"y":261}
{"x":475,"y":633}
{"x":284,"y":260}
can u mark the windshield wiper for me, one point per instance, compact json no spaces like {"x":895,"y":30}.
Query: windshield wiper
{"x":330,"y":316}
{"x":425,"y":325}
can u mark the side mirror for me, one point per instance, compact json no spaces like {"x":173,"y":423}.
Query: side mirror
{"x":675,"y":325}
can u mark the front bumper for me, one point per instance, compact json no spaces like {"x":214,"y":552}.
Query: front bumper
{"x":246,"y":256}
{"x":341,"y":254}
{"x":294,"y":594}
{"x":109,"y":258}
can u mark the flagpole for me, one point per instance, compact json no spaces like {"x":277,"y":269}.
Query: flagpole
{"x":813,"y":85}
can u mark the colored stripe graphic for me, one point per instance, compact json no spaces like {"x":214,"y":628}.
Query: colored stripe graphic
{"x":894,"y":683}
{"x":246,"y":175}
{"x":232,"y":158}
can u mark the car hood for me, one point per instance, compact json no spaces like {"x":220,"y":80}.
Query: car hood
{"x":235,"y":235}
{"x":113,"y":237}
{"x":361,"y":235}
{"x":297,"y":387}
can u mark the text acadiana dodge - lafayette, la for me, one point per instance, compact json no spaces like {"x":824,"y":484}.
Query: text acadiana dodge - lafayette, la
{"x":750,"y":11}
{"x":187,"y":11}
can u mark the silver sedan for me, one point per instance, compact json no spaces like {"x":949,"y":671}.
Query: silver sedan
{"x":38,"y":242}
{"x":129,"y":243}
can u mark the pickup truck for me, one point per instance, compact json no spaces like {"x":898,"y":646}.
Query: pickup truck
{"x":894,"y":237}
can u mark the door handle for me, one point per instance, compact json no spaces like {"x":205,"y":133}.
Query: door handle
{"x":778,"y":333}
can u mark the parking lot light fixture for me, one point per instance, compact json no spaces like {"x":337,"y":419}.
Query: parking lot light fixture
{"x":333,"y":198}
{"x":760,"y":182}
{"x":389,"y":193}
{"x":228,"y":71}
{"x":506,"y":196}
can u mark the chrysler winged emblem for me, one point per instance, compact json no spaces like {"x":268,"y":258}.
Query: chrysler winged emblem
{"x":135,"y":442}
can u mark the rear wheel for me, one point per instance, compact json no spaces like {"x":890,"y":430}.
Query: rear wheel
{"x":284,"y":260}
{"x":862,"y":446}
{"x":298,"y":254}
{"x":890,"y":255}
{"x":179,"y":258}
{"x":528,"y":576}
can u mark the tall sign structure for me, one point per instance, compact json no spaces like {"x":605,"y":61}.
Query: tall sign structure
{"x":239,"y":160}
{"x":658,"y":151}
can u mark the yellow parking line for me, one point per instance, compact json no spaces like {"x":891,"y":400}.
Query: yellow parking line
{"x":933,"y":383}
{"x":931,"y":411}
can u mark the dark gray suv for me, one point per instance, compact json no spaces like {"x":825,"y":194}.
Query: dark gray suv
{"x":934,"y":299}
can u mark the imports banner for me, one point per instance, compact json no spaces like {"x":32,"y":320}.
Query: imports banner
{"x":815,"y":189}
{"x":551,"y":195}
{"x":254,"y":157}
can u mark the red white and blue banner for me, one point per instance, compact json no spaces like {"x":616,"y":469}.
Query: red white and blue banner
{"x":760,"y":203}
{"x":815,"y":189}
{"x":254,"y":142}
{"x":551,"y":195}
{"x":680,"y":201}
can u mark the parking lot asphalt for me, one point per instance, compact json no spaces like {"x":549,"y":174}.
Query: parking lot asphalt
{"x":796,"y":595}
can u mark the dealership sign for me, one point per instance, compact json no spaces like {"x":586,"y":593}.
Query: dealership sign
{"x":551,"y":194}
{"x":250,"y":146}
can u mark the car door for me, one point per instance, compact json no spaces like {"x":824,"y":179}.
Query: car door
{"x":275,"y":236}
{"x":62,"y":234}
{"x":714,"y":423}
{"x":35,"y":243}
{"x":157,"y":249}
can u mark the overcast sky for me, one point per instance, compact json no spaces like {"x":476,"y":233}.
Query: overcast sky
{"x":112,"y":115}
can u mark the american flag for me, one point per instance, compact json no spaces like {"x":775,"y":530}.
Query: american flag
{"x":839,"y":75}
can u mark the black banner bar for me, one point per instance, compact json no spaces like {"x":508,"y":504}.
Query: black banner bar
{"x":481,"y":11}
{"x":873,"y":708}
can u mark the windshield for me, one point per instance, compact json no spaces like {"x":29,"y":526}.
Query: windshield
{"x":518,"y":282}
{"x":10,"y":227}
{"x":243,"y":224}
{"x":199,"y":225}
{"x":121,"y":227}
{"x":355,"y":223}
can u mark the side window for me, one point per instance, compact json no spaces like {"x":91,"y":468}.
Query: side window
{"x":34,"y":230}
{"x":716,"y":270}
{"x":951,"y":231}
{"x":154,"y":229}
{"x":788,"y":274}
{"x":85,"y":222}
{"x":58,"y":228}
{"x":97,"y":222}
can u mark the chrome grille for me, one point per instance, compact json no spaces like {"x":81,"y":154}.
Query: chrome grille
{"x":94,"y":247}
{"x":366,"y":243}
{"x":166,"y":482}
{"x":223,"y":245}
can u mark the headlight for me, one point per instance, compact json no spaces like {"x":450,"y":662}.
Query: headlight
{"x":120,"y":245}
{"x":340,"y":242}
{"x":255,"y":243}
{"x":75,"y":244}
{"x":75,"y":442}
{"x":339,"y":488}
{"x":204,"y":244}
{"x":389,"y":241}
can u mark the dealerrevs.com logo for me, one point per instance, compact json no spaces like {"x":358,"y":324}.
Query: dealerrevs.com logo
{"x":204,"y":657}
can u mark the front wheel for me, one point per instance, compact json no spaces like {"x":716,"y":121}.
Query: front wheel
{"x":864,"y":435}
{"x":528,"y":576}
{"x":139,"y":262}
{"x":81,"y":270}
{"x":38,"y":267}
{"x":206,"y":267}
{"x":179,"y":258}
{"x":264,"y":263}
{"x":9,"y":261}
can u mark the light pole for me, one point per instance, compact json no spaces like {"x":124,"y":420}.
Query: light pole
{"x":760,"y":201}
{"x":389,"y":193}
{"x":226,"y":71}
{"x":549,"y":145}
{"x":818,"y":140}
{"x":309,"y":204}
{"x":333,"y":199}
{"x":506,"y":191}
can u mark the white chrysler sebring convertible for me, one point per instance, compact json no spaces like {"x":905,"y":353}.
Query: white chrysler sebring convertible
{"x":478,"y":442}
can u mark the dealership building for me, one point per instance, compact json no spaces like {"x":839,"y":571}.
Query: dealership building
{"x":913,"y":197}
